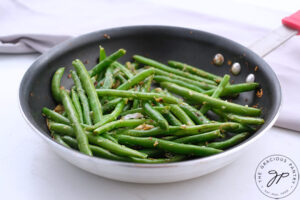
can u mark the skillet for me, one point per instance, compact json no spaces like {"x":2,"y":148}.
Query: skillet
{"x":161,"y":43}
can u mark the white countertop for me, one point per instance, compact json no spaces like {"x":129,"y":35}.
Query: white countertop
{"x":29,"y":169}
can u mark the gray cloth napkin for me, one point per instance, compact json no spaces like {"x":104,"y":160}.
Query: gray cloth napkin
{"x":29,"y":43}
{"x":51,"y":24}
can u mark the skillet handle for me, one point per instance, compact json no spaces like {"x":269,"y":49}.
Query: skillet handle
{"x":271,"y":41}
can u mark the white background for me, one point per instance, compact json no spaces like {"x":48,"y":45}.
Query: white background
{"x":30,"y":170}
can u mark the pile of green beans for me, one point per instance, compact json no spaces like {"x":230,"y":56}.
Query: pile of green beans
{"x":129,"y":112}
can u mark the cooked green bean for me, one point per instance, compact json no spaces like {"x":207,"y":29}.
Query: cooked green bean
{"x":61,"y":129}
{"x":173,"y":147}
{"x":136,"y":79}
{"x":114,"y":147}
{"x":89,"y":88}
{"x":83,"y":99}
{"x":202,"y":85}
{"x":102,"y":54}
{"x":121,"y":78}
{"x":123,"y":69}
{"x":153,"y":63}
{"x":106,"y":62}
{"x":111,"y":138}
{"x":58,"y":139}
{"x":203,"y":137}
{"x":160,"y":79}
{"x":77,"y":105}
{"x":118,"y":124}
{"x":111,"y":104}
{"x":150,"y":111}
{"x":156,"y":116}
{"x":108,"y":118}
{"x":229,"y":142}
{"x":213,"y":102}
{"x":109,"y":80}
{"x":159,"y":160}
{"x":194,"y":114}
{"x":163,"y":109}
{"x":182,"y":130}
{"x":97,"y":151}
{"x":194,"y":70}
{"x":181,"y":115}
{"x":51,"y":114}
{"x":136,"y":102}
{"x":138,"y":95}
{"x":55,"y":84}
{"x":152,"y":152}
{"x":234,"y":89}
{"x":217,"y":92}
{"x":75,"y":123}
{"x":241,"y":119}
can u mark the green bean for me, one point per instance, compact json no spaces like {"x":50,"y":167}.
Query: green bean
{"x":83,"y":99}
{"x":50,"y":114}
{"x":182,"y":130}
{"x":102,"y":54}
{"x":127,"y":73}
{"x":97,"y":151}
{"x":169,"y":146}
{"x":153,"y":63}
{"x":172,"y":120}
{"x":77,"y":105}
{"x":74,"y":119}
{"x":171,"y":137}
{"x":159,"y":160}
{"x":118,"y":124}
{"x":111,"y":104}
{"x":138,"y":95}
{"x":160,"y":79}
{"x":152,"y":152}
{"x":127,"y":106}
{"x":217,"y":92}
{"x":89,"y":89}
{"x":203,"y":137}
{"x":194,"y":70}
{"x":136,"y":102}
{"x":108,"y":118}
{"x":55,"y":84}
{"x":229,"y":142}
{"x":156,"y":116}
{"x":109,"y":80}
{"x":136,"y":79}
{"x":234,"y":89}
{"x":111,"y":138}
{"x":241,"y":119}
{"x":194,"y":114}
{"x":121,"y":78}
{"x":202,"y":85}
{"x":181,"y":115}
{"x":213,"y":102}
{"x":61,"y":129}
{"x":164,"y":109}
{"x":58,"y":139}
{"x":150,"y":111}
{"x":106,"y":62}
{"x":114,"y":147}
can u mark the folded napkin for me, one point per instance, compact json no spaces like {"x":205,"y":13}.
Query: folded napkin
{"x":52,"y":22}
